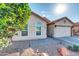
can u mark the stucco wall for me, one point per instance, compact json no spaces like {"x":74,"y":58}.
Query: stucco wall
{"x":32,"y":30}
{"x":67,"y":23}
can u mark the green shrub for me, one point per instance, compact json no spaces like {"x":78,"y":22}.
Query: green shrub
{"x":74,"y":48}
{"x":4,"y":42}
{"x":69,"y":47}
{"x":13,"y":17}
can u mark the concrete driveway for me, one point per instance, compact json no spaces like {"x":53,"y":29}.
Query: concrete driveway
{"x":73,"y":40}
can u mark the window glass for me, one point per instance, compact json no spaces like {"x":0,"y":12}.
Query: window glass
{"x":25,"y":31}
{"x":38,"y":28}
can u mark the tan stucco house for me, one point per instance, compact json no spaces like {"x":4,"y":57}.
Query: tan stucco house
{"x":60,"y":28}
{"x":35,"y":29}
{"x":39,"y":27}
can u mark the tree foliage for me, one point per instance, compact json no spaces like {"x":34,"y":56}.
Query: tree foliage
{"x":13,"y":17}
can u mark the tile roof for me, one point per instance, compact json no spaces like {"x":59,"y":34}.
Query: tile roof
{"x":43,"y":18}
{"x":77,"y":23}
{"x":53,"y":22}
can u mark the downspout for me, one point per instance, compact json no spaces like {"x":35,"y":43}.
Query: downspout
{"x":72,"y":31}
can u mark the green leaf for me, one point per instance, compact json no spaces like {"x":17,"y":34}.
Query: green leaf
{"x":14,"y":15}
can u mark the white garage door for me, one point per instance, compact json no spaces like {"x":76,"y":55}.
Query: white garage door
{"x":62,"y":31}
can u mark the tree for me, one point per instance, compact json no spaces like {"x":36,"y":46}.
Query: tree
{"x":13,"y":17}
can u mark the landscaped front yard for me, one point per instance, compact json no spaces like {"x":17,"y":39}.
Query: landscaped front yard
{"x":49,"y":46}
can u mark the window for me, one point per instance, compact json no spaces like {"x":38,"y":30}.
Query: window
{"x":38,"y":28}
{"x":25,"y":31}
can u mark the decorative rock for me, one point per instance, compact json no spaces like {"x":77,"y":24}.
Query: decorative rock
{"x":28,"y":52}
{"x":44,"y":54}
{"x":63,"y":51}
{"x":13,"y":54}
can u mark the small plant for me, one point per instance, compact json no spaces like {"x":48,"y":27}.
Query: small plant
{"x":69,"y":47}
{"x":74,"y":48}
{"x":4,"y":42}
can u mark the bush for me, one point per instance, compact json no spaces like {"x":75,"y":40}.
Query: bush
{"x":4,"y":42}
{"x":13,"y":17}
{"x":69,"y":47}
{"x":74,"y":48}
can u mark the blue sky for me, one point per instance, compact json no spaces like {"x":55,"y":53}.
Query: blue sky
{"x":49,"y":10}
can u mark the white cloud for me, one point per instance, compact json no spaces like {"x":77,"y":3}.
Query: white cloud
{"x":43,"y":12}
{"x":43,"y":15}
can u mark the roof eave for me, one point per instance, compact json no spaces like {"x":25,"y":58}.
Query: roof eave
{"x":46,"y":20}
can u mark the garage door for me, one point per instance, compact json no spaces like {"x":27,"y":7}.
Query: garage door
{"x":62,"y":31}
